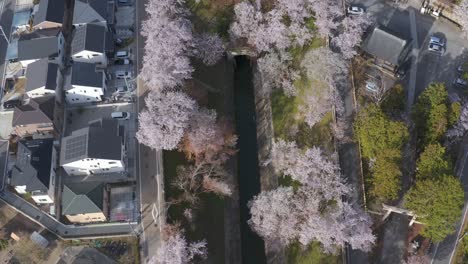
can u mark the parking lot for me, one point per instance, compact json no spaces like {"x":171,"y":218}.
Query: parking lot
{"x":122,"y":88}
{"x":431,"y":67}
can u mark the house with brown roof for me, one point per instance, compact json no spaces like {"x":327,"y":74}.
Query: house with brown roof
{"x":35,"y":118}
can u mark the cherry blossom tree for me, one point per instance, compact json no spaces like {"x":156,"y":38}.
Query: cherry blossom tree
{"x":175,"y":249}
{"x":353,"y":27}
{"x":323,"y":64}
{"x":325,"y":14}
{"x":164,"y":121}
{"x":168,"y":38}
{"x":276,"y":72}
{"x":209,"y":48}
{"x":286,"y":215}
{"x":309,"y":167}
{"x":314,"y":210}
{"x":461,"y":11}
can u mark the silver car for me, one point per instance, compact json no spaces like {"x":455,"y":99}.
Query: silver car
{"x":355,"y":10}
{"x":436,"y":48}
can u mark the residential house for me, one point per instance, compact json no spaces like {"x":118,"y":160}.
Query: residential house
{"x":33,"y":171}
{"x":88,"y":44}
{"x":388,"y":48}
{"x":84,"y":202}
{"x":85,"y":84}
{"x":34,"y":118}
{"x":50,"y":13}
{"x":40,"y":44}
{"x":98,"y":148}
{"x":41,"y":78}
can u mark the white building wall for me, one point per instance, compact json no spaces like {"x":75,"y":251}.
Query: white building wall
{"x":93,"y":166}
{"x":84,"y":94}
{"x":42,"y":198}
{"x":39,"y":92}
{"x":25,"y":63}
{"x":90,"y":57}
{"x":21,"y":189}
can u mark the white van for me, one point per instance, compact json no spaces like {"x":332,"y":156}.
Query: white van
{"x":120,"y":115}
{"x":122,"y":54}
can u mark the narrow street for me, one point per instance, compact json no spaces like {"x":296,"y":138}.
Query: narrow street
{"x":6,"y":20}
{"x":150,"y":166}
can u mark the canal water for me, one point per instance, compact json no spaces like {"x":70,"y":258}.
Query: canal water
{"x":253,"y":249}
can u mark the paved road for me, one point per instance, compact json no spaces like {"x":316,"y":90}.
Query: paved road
{"x":6,"y":20}
{"x":444,"y":251}
{"x":150,"y":165}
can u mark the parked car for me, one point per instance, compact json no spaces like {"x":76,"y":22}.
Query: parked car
{"x":403,"y":69}
{"x":124,"y":2}
{"x":460,"y":82}
{"x":122,"y":62}
{"x":11,"y":103}
{"x":122,"y":54}
{"x":355,"y":10}
{"x":120,"y":115}
{"x":372,"y":87}
{"x":123,"y":74}
{"x":436,"y":48}
{"x":437,"y":40}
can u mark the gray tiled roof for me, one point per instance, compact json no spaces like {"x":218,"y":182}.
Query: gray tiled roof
{"x":385,"y":44}
{"x":85,"y":74}
{"x":82,"y":198}
{"x":89,"y":11}
{"x":89,"y":37}
{"x":39,"y":44}
{"x":101,"y":140}
{"x":38,"y":110}
{"x":41,"y":73}
{"x":33,"y":164}
{"x":49,"y":10}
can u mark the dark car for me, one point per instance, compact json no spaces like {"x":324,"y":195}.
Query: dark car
{"x":12,"y":103}
{"x":403,"y":69}
{"x":122,"y":62}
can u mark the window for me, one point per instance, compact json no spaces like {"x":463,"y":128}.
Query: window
{"x":42,"y":200}
{"x":97,"y":98}
{"x":95,"y":90}
{"x":87,"y":99}
{"x":95,"y":55}
{"x":112,"y":162}
{"x":78,"y":57}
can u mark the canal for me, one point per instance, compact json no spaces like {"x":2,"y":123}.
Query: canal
{"x":253,"y":249}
